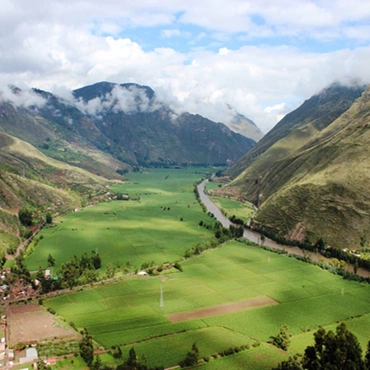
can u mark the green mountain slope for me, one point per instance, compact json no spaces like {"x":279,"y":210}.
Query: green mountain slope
{"x":298,"y":127}
{"x":62,"y":132}
{"x":32,"y":179}
{"x":316,"y":187}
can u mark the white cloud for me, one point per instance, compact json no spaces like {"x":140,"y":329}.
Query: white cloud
{"x":22,"y":98}
{"x":65,"y":44}
{"x":121,"y":99}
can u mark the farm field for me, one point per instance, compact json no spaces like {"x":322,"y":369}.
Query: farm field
{"x":131,"y":232}
{"x":230,"y":207}
{"x":128,"y":312}
{"x":244,"y":211}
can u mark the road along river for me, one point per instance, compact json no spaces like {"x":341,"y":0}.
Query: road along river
{"x":256,"y":237}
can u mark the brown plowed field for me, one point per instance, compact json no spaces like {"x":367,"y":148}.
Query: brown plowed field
{"x":28,"y":323}
{"x":223,"y":309}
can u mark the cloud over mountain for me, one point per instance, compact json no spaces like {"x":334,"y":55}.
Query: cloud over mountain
{"x":263,"y":58}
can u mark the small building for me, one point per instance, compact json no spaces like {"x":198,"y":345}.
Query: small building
{"x":142,"y":273}
{"x":10,"y":355}
{"x":51,"y":361}
{"x":31,"y":355}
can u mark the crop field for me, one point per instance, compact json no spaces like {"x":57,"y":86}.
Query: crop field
{"x":230,"y":207}
{"x":158,"y":226}
{"x":244,"y":211}
{"x":129,"y":313}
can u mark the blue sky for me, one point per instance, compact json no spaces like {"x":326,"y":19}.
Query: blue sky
{"x":263,"y":58}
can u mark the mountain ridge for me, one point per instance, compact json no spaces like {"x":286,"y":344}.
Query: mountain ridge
{"x":311,"y":183}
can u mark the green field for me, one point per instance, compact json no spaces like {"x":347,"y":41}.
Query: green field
{"x":128,"y":312}
{"x":159,"y":226}
{"x":243,"y":210}
{"x":230,"y":207}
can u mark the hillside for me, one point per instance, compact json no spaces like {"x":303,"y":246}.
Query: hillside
{"x":54,"y":150}
{"x":302,"y":124}
{"x":30,"y":178}
{"x":143,"y":131}
{"x":312,"y":183}
{"x":245,"y":126}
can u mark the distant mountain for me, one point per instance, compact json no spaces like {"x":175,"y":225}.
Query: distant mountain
{"x":244,"y":126}
{"x":55,"y":150}
{"x":309,"y":174}
{"x":141,"y":130}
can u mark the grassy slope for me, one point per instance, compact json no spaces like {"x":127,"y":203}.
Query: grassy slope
{"x":28,"y":177}
{"x":315,"y":113}
{"x":310,"y":173}
{"x":323,"y":187}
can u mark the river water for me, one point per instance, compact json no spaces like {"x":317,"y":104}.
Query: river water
{"x":256,"y":237}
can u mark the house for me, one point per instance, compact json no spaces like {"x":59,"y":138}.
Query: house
{"x":31,"y":355}
{"x":51,"y":361}
{"x":10,"y":355}
{"x":142,"y":273}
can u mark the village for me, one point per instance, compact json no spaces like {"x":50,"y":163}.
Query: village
{"x":20,"y":322}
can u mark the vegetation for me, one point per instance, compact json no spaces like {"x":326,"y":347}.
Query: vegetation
{"x":127,"y":313}
{"x":307,"y":164}
{"x":191,"y":358}
{"x":75,"y":272}
{"x":339,"y":350}
{"x":282,"y":340}
{"x":133,"y":232}
{"x":86,"y":347}
{"x":25,"y":216}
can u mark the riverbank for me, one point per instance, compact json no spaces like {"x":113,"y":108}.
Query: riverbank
{"x":255,"y":237}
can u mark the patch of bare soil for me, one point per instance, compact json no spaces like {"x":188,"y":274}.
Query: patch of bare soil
{"x":31,"y":323}
{"x":223,"y":309}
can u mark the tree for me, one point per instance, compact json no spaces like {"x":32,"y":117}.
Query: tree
{"x":117,"y":352}
{"x":339,"y":350}
{"x":2,"y":259}
{"x":51,"y":261}
{"x":41,"y":364}
{"x":86,"y":347}
{"x":191,"y":358}
{"x":97,"y":365}
{"x":282,"y":340}
{"x":331,"y":351}
{"x":367,"y":357}
{"x":48,"y":218}
{"x":95,"y":260}
{"x":25,"y":216}
{"x":293,"y":363}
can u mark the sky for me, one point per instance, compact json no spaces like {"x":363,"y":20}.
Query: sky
{"x":261,"y":58}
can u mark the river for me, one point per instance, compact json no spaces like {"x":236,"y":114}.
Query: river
{"x":256,"y":237}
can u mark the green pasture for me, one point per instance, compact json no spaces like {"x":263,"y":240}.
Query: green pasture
{"x":128,"y":312}
{"x":263,"y":357}
{"x":244,"y":211}
{"x":159,"y":226}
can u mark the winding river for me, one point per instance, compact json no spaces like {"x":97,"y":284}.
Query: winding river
{"x":256,"y":237}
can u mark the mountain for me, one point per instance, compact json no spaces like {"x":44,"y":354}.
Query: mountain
{"x":302,"y":124}
{"x":244,"y":126}
{"x":309,"y":174}
{"x":55,"y":152}
{"x":142,"y":130}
